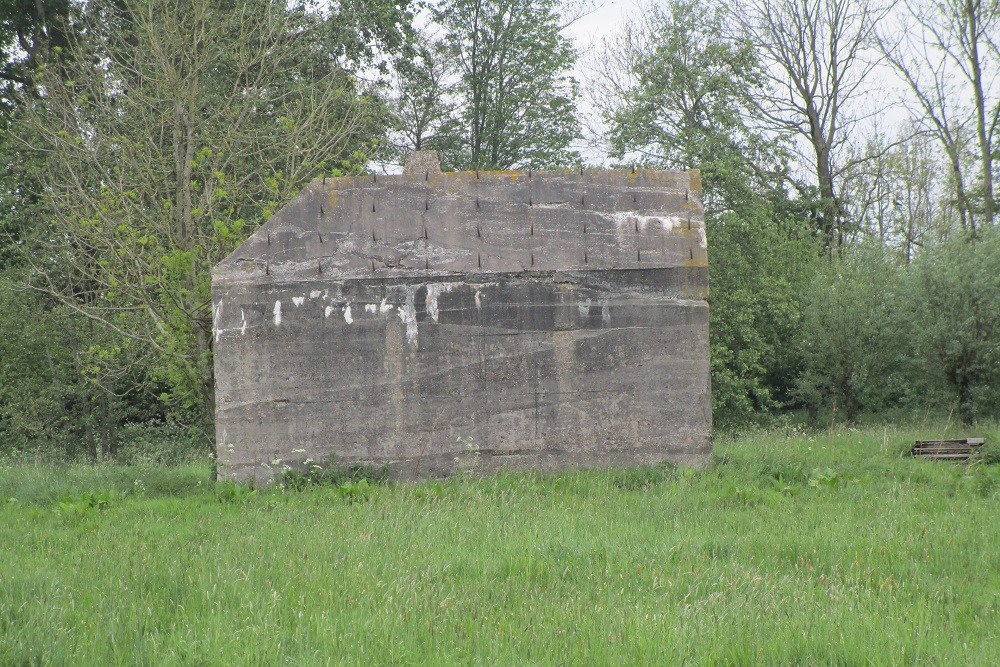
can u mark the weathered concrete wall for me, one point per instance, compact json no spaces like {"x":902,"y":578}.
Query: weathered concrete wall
{"x":438,"y":337}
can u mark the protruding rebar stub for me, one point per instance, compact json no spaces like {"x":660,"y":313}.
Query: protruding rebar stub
{"x":422,"y":162}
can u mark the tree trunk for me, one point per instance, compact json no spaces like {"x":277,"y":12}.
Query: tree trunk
{"x":985,"y":152}
{"x":89,"y":435}
{"x":109,"y":432}
{"x":830,"y":209}
{"x":966,"y":408}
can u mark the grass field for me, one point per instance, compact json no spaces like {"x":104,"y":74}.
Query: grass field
{"x":791,"y":549}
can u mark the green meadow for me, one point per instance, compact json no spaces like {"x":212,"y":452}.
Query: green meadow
{"x":791,"y":548}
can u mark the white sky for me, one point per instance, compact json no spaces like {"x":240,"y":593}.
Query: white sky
{"x":605,"y":20}
{"x":608,"y":17}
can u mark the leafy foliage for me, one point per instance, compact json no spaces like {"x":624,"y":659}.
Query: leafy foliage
{"x":880,"y":337}
{"x":166,"y":131}
{"x":856,"y":337}
{"x":29,"y":29}
{"x":759,"y":264}
{"x":956,"y":308}
{"x":516,"y":98}
{"x":677,"y":94}
{"x":426,"y":103}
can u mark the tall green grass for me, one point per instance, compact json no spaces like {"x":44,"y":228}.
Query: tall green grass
{"x":793,"y":548}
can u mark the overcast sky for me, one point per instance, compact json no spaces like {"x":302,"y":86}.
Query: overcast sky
{"x":606,"y":19}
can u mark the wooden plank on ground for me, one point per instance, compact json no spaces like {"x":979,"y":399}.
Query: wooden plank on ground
{"x":947,"y":450}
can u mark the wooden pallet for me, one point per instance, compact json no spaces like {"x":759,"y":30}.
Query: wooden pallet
{"x":947,"y":450}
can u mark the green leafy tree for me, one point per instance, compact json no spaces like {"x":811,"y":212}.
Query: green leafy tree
{"x":426,"y":103}
{"x":515,"y":95}
{"x":366,"y":33}
{"x":956,"y":308}
{"x":170,"y":131}
{"x":41,"y":394}
{"x":857,"y":338}
{"x":29,"y":29}
{"x":674,"y":92}
{"x":760,"y":259}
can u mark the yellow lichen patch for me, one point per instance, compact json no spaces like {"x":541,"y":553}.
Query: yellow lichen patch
{"x":513,"y":174}
{"x":699,"y":261}
{"x":434,"y":178}
{"x":695,"y":176}
{"x":459,"y":177}
{"x":332,"y":198}
{"x":340,"y":182}
{"x":660,"y":178}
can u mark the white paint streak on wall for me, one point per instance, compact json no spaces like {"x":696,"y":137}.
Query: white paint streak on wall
{"x":584,"y":308}
{"x":277,"y":313}
{"x":673,"y":221}
{"x":220,"y":331}
{"x":479,"y":303}
{"x":605,"y":312}
{"x":434,"y":290}
{"x":627,"y":221}
{"x":347,"y":315}
{"x":371,"y":308}
{"x":622,"y":223}
{"x":216,"y":312}
{"x":384,"y":307}
{"x":314,"y":294}
{"x":298,"y":300}
{"x":408,"y":314}
{"x":327,"y":311}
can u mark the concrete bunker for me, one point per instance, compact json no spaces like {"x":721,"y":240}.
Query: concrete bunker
{"x":438,"y":322}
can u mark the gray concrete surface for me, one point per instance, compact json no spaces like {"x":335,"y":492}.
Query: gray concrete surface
{"x":441,"y":322}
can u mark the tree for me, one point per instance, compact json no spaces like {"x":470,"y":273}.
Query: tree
{"x":367,"y":33}
{"x":760,"y":261}
{"x":426,"y":102}
{"x":948,"y":53}
{"x":169,"y":133}
{"x":42,"y":396}
{"x":674,"y":92}
{"x":516,"y":98}
{"x":955,"y":297}
{"x":898,"y":194}
{"x":857,"y":352}
{"x":28,"y":29}
{"x":816,"y":55}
